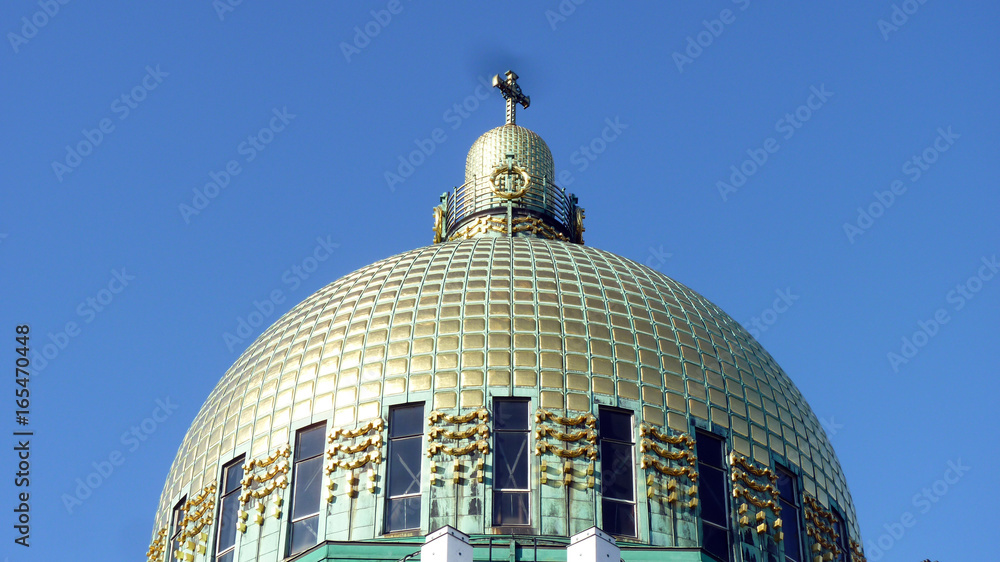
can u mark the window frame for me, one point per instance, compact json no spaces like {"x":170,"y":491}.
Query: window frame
{"x":223,"y":495}
{"x":496,"y":491}
{"x":419,"y":436}
{"x":787,"y":508}
{"x":843,"y":541}
{"x":634,"y":502}
{"x":701,"y":435}
{"x":176,"y":516}
{"x":296,"y":465}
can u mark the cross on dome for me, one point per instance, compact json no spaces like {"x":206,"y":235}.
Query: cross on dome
{"x":512,"y":93}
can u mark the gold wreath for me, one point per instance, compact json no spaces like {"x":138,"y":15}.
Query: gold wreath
{"x":588,"y":434}
{"x":589,"y":419}
{"x":525,"y":177}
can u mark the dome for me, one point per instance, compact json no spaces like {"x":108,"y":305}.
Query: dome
{"x":456,"y":323}
{"x":510,"y":384}
{"x":490,"y":150}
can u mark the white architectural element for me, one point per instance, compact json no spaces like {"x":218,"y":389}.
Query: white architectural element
{"x":593,"y":545}
{"x":447,"y":544}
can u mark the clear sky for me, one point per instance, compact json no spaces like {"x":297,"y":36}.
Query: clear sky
{"x":115,"y":113}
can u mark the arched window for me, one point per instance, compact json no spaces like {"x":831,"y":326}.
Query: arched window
{"x":306,"y":487}
{"x":716,"y":537}
{"x":511,"y":504}
{"x":229,"y":504}
{"x":617,"y":472}
{"x":403,"y":498}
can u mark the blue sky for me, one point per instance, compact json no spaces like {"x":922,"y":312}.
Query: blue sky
{"x":749,"y":134}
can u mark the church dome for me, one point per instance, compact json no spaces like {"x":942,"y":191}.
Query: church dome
{"x":580,"y":338}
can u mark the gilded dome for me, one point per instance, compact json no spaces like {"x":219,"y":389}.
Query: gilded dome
{"x":491,"y":148}
{"x":457,"y":323}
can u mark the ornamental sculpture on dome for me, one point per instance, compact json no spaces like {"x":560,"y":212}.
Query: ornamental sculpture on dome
{"x":509,"y":187}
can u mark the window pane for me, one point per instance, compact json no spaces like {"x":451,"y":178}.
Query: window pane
{"x":233,"y":476}
{"x":304,"y":534}
{"x":616,"y":425}
{"x":407,"y":420}
{"x":709,"y":449}
{"x":510,"y":508}
{"x":307,"y":487}
{"x":511,"y":414}
{"x":309,"y":443}
{"x":790,"y":523}
{"x":616,"y":471}
{"x":404,"y":466}
{"x":716,"y":541}
{"x":404,"y":513}
{"x":786,"y":485}
{"x":227,"y":557}
{"x":510,"y":467}
{"x":227,"y":522}
{"x":619,"y":518}
{"x":713,"y":496}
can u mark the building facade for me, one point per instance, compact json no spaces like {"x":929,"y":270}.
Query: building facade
{"x":506,"y":393}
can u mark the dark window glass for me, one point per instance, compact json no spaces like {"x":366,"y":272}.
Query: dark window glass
{"x":713,"y":493}
{"x":616,"y":425}
{"x":841,"y":530}
{"x":405,"y":438}
{"x":510,"y":508}
{"x":617,"y":473}
{"x":229,"y":505}
{"x":790,"y":507}
{"x":511,"y":414}
{"x":175,"y":525}
{"x":510,"y":462}
{"x":306,"y":486}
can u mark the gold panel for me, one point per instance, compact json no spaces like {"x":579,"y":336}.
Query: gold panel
{"x":578,"y":382}
{"x":553,"y":343}
{"x":601,"y":367}
{"x":742,"y":446}
{"x":445,"y":380}
{"x":552,"y":380}
{"x":551,"y":360}
{"x":718,"y":397}
{"x":525,"y":378}
{"x":652,"y":395}
{"x":423,"y":345}
{"x":447,"y":343}
{"x":447,"y":361}
{"x":577,"y":363}
{"x":344,"y":416}
{"x":626,"y":371}
{"x":394,"y":386}
{"x":472,"y":378}
{"x":676,"y":402}
{"x":472,"y":398}
{"x":677,"y":422}
{"x":673,"y":382}
{"x":422,"y":363}
{"x":498,"y":359}
{"x":368,"y":411}
{"x":495,"y":341}
{"x":525,"y":359}
{"x":698,"y":409}
{"x":498,"y":378}
{"x":420,"y":383}
{"x":696,"y":390}
{"x":603,"y":385}
{"x":472,"y":341}
{"x":552,"y":400}
{"x":720,"y":417}
{"x":370,"y":390}
{"x":445,"y":400}
{"x":578,"y":402}
{"x":575,"y":345}
{"x":628,"y":390}
{"x":472,"y":359}
{"x":652,"y":415}
{"x":740,"y":426}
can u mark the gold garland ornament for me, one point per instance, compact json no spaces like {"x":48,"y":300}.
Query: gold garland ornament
{"x":647,"y":430}
{"x":589,"y":450}
{"x":483,"y":414}
{"x":647,"y":445}
{"x":588,"y":434}
{"x":482,"y":429}
{"x":482,"y":445}
{"x":590,"y":420}
{"x":375,"y":425}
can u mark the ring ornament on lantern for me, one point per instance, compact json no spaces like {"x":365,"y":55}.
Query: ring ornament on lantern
{"x":509,"y":169}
